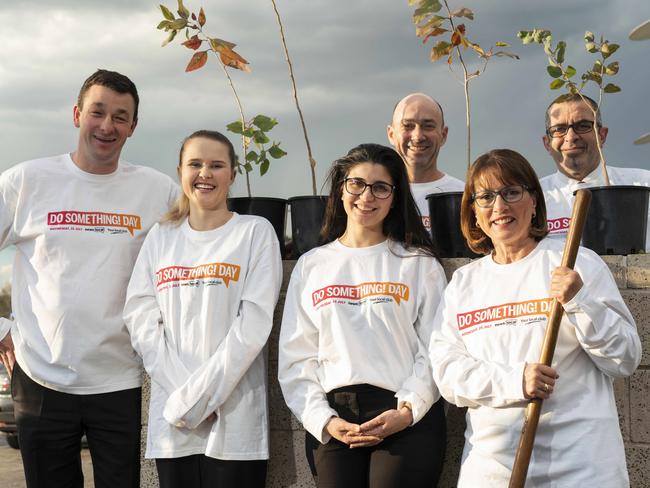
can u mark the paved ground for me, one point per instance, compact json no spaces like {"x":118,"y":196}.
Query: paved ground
{"x":11,"y":467}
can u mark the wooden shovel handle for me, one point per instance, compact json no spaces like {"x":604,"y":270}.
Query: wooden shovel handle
{"x":534,"y":408}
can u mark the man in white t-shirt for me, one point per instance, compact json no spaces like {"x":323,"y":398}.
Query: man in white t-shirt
{"x":417,"y":132}
{"x":77,"y":222}
{"x":571,"y":141}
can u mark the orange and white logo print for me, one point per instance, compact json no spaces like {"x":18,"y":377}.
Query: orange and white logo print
{"x":73,"y":218}
{"x":223,"y":271}
{"x":471,"y":320}
{"x":397,"y":291}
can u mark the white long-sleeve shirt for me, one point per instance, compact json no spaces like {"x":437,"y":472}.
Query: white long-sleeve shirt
{"x":354,"y":316}
{"x":77,"y":236}
{"x":559,"y":188}
{"x":199,"y":309}
{"x":490,"y":323}
{"x":420,"y":191}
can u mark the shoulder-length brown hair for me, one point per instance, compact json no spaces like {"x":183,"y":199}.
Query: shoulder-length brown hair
{"x":511,"y":168}
{"x":181,"y":208}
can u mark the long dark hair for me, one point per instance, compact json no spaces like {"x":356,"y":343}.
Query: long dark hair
{"x":403,"y":223}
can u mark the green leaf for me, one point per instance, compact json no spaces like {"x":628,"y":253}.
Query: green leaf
{"x":591,"y":47}
{"x":555,"y":84}
{"x":179,"y":24}
{"x":561,"y":47}
{"x":182,"y":11}
{"x":426,"y":8}
{"x":264,"y":123}
{"x":276,"y":152}
{"x":597,"y":67}
{"x":164,"y":24}
{"x":248,"y":167}
{"x":264,"y":167}
{"x":612,"y":68}
{"x":554,"y":71}
{"x":170,"y":38}
{"x":235,"y":127}
{"x":608,"y":49}
{"x":611,"y":88}
{"x":251,"y":156}
{"x":570,"y":72}
{"x":167,"y":13}
{"x":541,"y":35}
{"x":501,"y":44}
{"x":589,"y":36}
{"x":249,"y":131}
{"x":260,"y":137}
{"x":594,"y":76}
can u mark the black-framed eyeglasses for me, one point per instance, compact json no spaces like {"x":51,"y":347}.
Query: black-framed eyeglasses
{"x":510,"y":194}
{"x":579,"y":127}
{"x":379,"y":189}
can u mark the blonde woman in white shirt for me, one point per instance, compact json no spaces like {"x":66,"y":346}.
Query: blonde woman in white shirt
{"x":352,"y":359}
{"x":490,"y":329}
{"x":199,"y":309}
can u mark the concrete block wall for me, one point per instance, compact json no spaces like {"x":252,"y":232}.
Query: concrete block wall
{"x":288,"y":467}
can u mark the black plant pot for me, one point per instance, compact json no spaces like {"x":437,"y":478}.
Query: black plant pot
{"x":272,"y":209}
{"x":617,"y":220}
{"x":444,"y":214}
{"x":306,"y":220}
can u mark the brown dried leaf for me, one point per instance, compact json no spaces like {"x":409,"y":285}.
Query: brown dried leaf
{"x":201,"y":17}
{"x":435,"y":32}
{"x":198,"y":61}
{"x":193,"y":43}
{"x":234,"y":60}
{"x":440,"y":49}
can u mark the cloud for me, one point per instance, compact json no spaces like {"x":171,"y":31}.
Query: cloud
{"x":352,"y":60}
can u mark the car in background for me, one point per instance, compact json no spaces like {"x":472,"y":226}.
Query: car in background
{"x":7,"y":422}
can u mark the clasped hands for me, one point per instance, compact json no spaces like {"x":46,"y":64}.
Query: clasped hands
{"x":371,"y":432}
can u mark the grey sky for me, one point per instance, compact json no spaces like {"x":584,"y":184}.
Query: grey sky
{"x":353,"y":60}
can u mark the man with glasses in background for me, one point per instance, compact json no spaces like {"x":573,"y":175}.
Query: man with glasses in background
{"x":571,"y":141}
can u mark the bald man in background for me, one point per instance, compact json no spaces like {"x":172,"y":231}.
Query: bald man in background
{"x":417,"y":132}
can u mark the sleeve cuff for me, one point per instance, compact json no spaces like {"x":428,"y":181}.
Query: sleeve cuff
{"x":315,"y":423}
{"x":573,"y":305}
{"x":5,"y":327}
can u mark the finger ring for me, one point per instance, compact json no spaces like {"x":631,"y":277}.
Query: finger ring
{"x":546,"y":387}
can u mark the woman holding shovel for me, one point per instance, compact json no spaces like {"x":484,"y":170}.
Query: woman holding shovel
{"x":490,"y":328}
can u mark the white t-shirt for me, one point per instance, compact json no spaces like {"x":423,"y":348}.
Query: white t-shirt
{"x":199,"y":308}
{"x":558,"y":194}
{"x":77,"y":236}
{"x":354,"y":316}
{"x":420,"y":191}
{"x":490,"y":323}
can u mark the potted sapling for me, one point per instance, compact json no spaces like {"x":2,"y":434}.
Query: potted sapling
{"x":257,"y":147}
{"x":618,"y":215}
{"x":307,"y":212}
{"x":432,"y":21}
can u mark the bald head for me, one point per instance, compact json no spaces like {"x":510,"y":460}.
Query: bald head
{"x":398,"y":109}
{"x":417,"y":132}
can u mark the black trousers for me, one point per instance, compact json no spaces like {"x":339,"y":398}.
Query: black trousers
{"x":199,"y":471}
{"x":50,"y":427}
{"x":412,"y":457}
